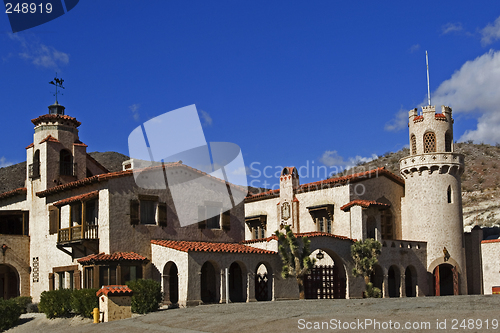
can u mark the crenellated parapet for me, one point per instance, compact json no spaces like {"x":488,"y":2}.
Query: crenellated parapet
{"x":441,"y":163}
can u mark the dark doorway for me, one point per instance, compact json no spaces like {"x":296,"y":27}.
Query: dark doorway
{"x":9,"y":282}
{"x":410,"y":283}
{"x":235,"y":283}
{"x":393,"y":280}
{"x":173,"y":284}
{"x":208,"y":283}
{"x":262,"y":284}
{"x":325,"y":282}
{"x":445,"y":282}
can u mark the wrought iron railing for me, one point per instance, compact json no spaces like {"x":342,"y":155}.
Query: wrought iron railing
{"x":34,"y":170}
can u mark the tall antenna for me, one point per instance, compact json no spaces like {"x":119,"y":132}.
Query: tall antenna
{"x":428,"y":85}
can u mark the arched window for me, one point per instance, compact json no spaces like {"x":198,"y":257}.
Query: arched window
{"x":447,"y":142}
{"x":387,"y":225}
{"x":65,"y":163}
{"x":429,"y":142}
{"x":413,"y":140}
{"x":449,"y":194}
{"x":35,"y":167}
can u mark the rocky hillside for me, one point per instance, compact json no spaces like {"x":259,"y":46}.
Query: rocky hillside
{"x":480,"y":181}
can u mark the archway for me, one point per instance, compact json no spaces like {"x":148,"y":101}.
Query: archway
{"x":327,"y":278}
{"x":377,"y":278}
{"x":394,"y":281}
{"x":263,"y":283}
{"x":208,"y":283}
{"x":236,"y":285}
{"x":445,"y":280}
{"x":171,"y":283}
{"x":9,"y":282}
{"x":410,"y":282}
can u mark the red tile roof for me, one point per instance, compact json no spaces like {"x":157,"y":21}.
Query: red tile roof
{"x":440,"y":115}
{"x":298,"y":235}
{"x":114,"y":290}
{"x":118,"y":174}
{"x":364,"y":204}
{"x":192,"y":246}
{"x":31,"y":145}
{"x":12,"y":193}
{"x":491,"y":241}
{"x":53,"y":118}
{"x":418,"y":118}
{"x":327,"y":183}
{"x":81,"y":197}
{"x":117,"y":256}
{"x":49,"y":138}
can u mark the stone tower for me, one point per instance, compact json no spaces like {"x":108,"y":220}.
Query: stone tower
{"x":56,"y":155}
{"x":432,"y":206}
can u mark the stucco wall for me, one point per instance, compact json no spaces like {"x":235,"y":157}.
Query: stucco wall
{"x":491,"y":264}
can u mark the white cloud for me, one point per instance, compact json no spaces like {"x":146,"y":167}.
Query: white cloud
{"x":207,"y":120}
{"x":451,"y":27}
{"x":399,"y":122}
{"x":40,"y":54}
{"x":414,"y":48}
{"x":490,"y":33}
{"x":135,"y":111}
{"x":475,"y":89}
{"x":242,"y":171}
{"x":332,"y":158}
{"x":4,"y":163}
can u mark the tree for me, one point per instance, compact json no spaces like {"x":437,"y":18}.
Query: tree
{"x":365,"y":255}
{"x":296,"y":261}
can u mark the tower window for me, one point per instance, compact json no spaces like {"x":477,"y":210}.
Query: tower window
{"x":447,"y":142}
{"x":449,"y":194}
{"x":65,"y":163}
{"x":429,"y":142}
{"x":387,"y":225}
{"x":34,"y":169}
{"x":413,"y":140}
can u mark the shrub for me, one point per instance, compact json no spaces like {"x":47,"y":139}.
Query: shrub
{"x":56,"y":303}
{"x":10,"y":312}
{"x":372,"y":292}
{"x":32,"y":308}
{"x":23,"y":302}
{"x":84,"y":301}
{"x":146,"y":295}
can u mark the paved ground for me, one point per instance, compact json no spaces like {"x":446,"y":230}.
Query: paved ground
{"x":481,"y":314}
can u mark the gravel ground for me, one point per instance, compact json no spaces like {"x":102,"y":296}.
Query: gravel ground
{"x":447,"y":313}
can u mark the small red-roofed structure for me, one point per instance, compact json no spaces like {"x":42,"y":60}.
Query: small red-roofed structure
{"x":115,"y":302}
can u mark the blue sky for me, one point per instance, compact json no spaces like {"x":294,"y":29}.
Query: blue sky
{"x":323,"y":83}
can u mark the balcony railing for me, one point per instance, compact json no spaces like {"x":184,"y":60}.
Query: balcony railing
{"x":77,"y":233}
{"x":67,"y":169}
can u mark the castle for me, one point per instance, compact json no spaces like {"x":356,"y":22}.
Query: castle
{"x":77,"y":225}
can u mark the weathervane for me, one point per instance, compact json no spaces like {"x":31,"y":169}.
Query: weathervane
{"x":428,"y":85}
{"x":58,"y":84}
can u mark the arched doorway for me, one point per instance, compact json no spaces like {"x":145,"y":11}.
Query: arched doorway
{"x":394,"y":281}
{"x":9,"y":282}
{"x":377,"y":278}
{"x":263,"y":287}
{"x":171,"y":283}
{"x":236,"y":293}
{"x":410,"y":282}
{"x":327,"y":278}
{"x":208,"y":283}
{"x":445,"y":280}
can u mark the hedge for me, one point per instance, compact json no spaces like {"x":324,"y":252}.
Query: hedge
{"x":10,"y":312}
{"x":56,"y":303}
{"x":146,"y":295}
{"x":84,"y":301}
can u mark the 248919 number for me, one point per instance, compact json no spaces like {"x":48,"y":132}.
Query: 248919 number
{"x":26,"y":8}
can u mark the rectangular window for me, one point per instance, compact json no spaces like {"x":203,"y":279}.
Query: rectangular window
{"x":107,"y":275}
{"x":213,"y":222}
{"x":62,"y":279}
{"x":148,"y":212}
{"x":71,"y":284}
{"x":129,"y":273}
{"x":262,"y":233}
{"x":76,"y":213}
{"x":256,"y":233}
{"x":89,"y":277}
{"x":91,"y":212}
{"x":329,"y":225}
{"x":321,"y":224}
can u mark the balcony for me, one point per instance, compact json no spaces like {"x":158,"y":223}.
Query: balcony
{"x":77,"y":234}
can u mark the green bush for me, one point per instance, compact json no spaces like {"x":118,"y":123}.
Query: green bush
{"x":84,"y":301}
{"x":372,"y":292}
{"x":10,"y":312}
{"x":146,"y":295}
{"x":32,"y":308}
{"x":56,"y":303}
{"x":23,"y":302}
